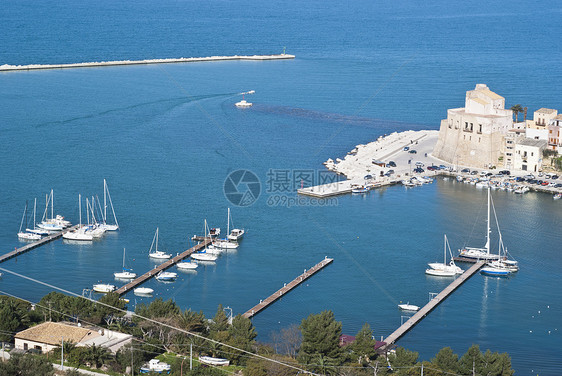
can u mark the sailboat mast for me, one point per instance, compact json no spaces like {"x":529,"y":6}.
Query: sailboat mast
{"x":52,"y":204}
{"x":21,"y":223}
{"x":488,"y":226}
{"x":156,"y":239}
{"x":104,"y":202}
{"x":80,"y":208}
{"x":444,"y":249}
{"x":228,"y":223}
{"x":34,"y":210}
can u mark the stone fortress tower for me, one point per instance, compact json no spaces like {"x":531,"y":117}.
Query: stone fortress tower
{"x":473,"y":136}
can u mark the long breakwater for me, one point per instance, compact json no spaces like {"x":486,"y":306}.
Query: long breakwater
{"x":8,"y":68}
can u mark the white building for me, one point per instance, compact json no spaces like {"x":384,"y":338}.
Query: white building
{"x":528,"y":154}
{"x":510,"y":140}
{"x":49,"y":335}
{"x":474,"y":135}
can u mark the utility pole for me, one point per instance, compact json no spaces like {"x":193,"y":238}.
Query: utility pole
{"x":132,"y":367}
{"x":62,"y":353}
{"x":191,"y":356}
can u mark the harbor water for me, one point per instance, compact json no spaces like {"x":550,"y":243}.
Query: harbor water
{"x":167,"y":136}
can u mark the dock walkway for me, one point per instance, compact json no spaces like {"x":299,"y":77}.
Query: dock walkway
{"x":263,"y":304}
{"x":425,"y":310}
{"x":38,"y":243}
{"x":153,"y":272}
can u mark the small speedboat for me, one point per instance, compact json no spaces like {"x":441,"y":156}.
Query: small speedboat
{"x":214,"y":361}
{"x":166,"y":276}
{"x":125,"y":274}
{"x":495,"y":271}
{"x":359,"y":189}
{"x":408,"y":307}
{"x":28,"y":236}
{"x":557,"y":196}
{"x":440,"y":272}
{"x":187,"y":265}
{"x":103,"y":287}
{"x":156,"y":366}
{"x":203,"y":256}
{"x":143,"y":291}
{"x":225,"y":244}
{"x":159,"y":255}
{"x":235,"y":234}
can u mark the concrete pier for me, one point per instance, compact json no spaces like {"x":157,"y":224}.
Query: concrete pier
{"x":8,"y":68}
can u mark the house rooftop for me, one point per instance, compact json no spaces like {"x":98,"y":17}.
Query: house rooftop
{"x":52,"y":333}
{"x":532,"y":142}
{"x":546,"y":110}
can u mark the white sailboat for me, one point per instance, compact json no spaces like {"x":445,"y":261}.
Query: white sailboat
{"x":481,"y":253}
{"x":80,"y":233}
{"x":226,"y":243}
{"x":106,"y":198}
{"x":204,"y":255}
{"x":143,"y":291}
{"x":236,"y":233}
{"x":94,"y":228}
{"x":408,"y":307}
{"x":36,"y":230}
{"x":157,"y":254}
{"x":444,"y":269}
{"x":166,"y":276}
{"x":55,"y":223}
{"x":187,"y":265}
{"x":126,"y":273}
{"x":24,"y":235}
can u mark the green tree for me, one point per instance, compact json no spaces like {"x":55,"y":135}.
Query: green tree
{"x":320,"y":336}
{"x":516,"y":110}
{"x":97,"y":355}
{"x":242,"y":334}
{"x":403,"y":360}
{"x":220,"y":321}
{"x":14,"y":316}
{"x":446,"y":360}
{"x":26,"y":365}
{"x":471,"y":361}
{"x":364,"y":345}
{"x":124,"y":354}
{"x":109,"y":314}
{"x":495,"y":364}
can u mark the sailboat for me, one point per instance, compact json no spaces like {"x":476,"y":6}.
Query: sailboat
{"x":481,"y":253}
{"x":226,"y":243}
{"x":26,"y":235}
{"x":94,"y":228}
{"x":166,"y":276}
{"x":444,"y":269}
{"x":157,"y":254}
{"x":55,"y":223}
{"x":36,"y":230}
{"x":236,"y":233}
{"x":80,"y":233}
{"x":106,"y":198}
{"x":204,"y":255}
{"x":126,"y":273}
{"x":187,"y":265}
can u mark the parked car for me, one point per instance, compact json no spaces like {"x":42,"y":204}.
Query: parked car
{"x":529,"y":176}
{"x":473,"y":172}
{"x":406,"y":148}
{"x":419,"y":170}
{"x":552,"y":184}
{"x":545,"y":183}
{"x":505,"y":172}
{"x":442,"y":167}
{"x":432,"y":168}
{"x":519,"y":178}
{"x":559,"y":185}
{"x":465,"y":170}
{"x":554,"y":177}
{"x":483,"y":173}
{"x":412,"y":151}
{"x":419,"y":164}
{"x":391,"y":164}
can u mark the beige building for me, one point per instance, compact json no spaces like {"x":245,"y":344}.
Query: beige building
{"x":474,"y":135}
{"x":510,"y":140}
{"x":49,"y":335}
{"x":528,"y":154}
{"x":554,"y":134}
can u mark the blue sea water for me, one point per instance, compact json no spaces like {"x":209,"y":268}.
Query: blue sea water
{"x":166,"y":137}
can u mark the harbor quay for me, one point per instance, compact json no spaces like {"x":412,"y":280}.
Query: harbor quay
{"x":399,"y":157}
{"x":8,"y":68}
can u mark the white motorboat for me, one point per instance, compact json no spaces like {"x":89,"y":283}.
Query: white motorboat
{"x":481,"y":253}
{"x":166,"y":276}
{"x":156,"y":366}
{"x":214,"y":250}
{"x":125,"y":273}
{"x":143,"y":291}
{"x":408,"y":307}
{"x":243,"y":103}
{"x":214,"y":232}
{"x":444,"y":269}
{"x":496,"y":271}
{"x":214,"y":361}
{"x":203,"y":256}
{"x":235,"y":234}
{"x":225,"y":244}
{"x":103,"y":287}
{"x":187,"y":265}
{"x":156,"y":254}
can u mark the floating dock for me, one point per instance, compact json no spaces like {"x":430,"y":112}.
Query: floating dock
{"x":153,"y":272}
{"x":342,"y":187}
{"x":425,"y":310}
{"x":8,"y":68}
{"x":38,"y":243}
{"x":263,"y":304}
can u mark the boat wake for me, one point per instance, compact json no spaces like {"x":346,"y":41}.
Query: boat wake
{"x":174,"y":102}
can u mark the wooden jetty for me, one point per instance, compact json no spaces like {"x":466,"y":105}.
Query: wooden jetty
{"x":38,"y":243}
{"x":425,"y":310}
{"x":153,"y":272}
{"x":263,"y":304}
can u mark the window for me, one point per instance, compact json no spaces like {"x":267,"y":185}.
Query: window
{"x":508,"y":154}
{"x":25,"y":347}
{"x":479,"y":128}
{"x":531,"y":154}
{"x":471,"y":127}
{"x":37,"y":347}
